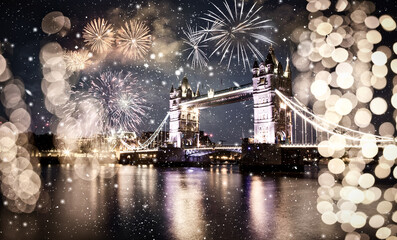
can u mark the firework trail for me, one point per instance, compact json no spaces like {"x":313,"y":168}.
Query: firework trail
{"x":77,"y":60}
{"x":98,"y":34}
{"x":193,"y":40}
{"x":134,"y":39}
{"x":236,"y":31}
{"x":121,"y":98}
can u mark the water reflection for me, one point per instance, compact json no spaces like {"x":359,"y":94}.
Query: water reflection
{"x":125,"y":185}
{"x":164,"y":203}
{"x":184,"y":204}
{"x":261,"y":206}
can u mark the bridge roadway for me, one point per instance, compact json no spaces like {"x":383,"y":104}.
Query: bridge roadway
{"x":236,"y":148}
{"x":195,"y":149}
{"x":233,"y":94}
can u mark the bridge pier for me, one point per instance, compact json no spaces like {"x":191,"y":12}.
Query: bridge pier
{"x":179,"y":157}
{"x":271,"y":157}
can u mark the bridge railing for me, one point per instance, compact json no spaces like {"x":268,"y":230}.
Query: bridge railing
{"x":149,"y":141}
{"x":329,"y":127}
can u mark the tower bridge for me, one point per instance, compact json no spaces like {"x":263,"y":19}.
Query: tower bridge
{"x":283,"y":127}
{"x":272,"y":120}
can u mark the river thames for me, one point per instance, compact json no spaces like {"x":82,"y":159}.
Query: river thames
{"x":131,"y":202}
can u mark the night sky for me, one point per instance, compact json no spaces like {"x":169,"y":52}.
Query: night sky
{"x":21,"y":37}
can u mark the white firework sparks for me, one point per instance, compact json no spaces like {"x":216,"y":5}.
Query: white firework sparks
{"x":134,"y":39}
{"x":77,"y":60}
{"x":193,"y":40}
{"x":98,"y":34}
{"x":236,"y":31}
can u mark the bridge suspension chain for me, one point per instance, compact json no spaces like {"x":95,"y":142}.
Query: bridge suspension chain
{"x":150,"y":139}
{"x":314,"y":119}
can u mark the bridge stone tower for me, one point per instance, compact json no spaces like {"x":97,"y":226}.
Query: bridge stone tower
{"x":272,"y":118}
{"x":184,"y":121}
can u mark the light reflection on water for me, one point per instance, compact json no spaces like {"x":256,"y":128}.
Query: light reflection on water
{"x":178,"y":203}
{"x":260,"y":206}
{"x":184,"y":204}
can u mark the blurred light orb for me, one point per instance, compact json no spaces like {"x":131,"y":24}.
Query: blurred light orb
{"x":336,"y":166}
{"x":87,"y":168}
{"x":378,"y":106}
{"x":394,"y":100}
{"x":3,"y":64}
{"x":343,"y":106}
{"x":386,"y":129}
{"x":324,"y":206}
{"x":319,"y":88}
{"x":324,"y":75}
{"x":394,"y":216}
{"x":344,"y":69}
{"x":387,"y":23}
{"x":341,"y":5}
{"x":390,"y":152}
{"x":366,"y":180}
{"x":371,"y":22}
{"x":363,"y":117}
{"x":378,"y":83}
{"x":324,"y":28}
{"x":53,"y":22}
{"x":393,"y":65}
{"x":386,"y":50}
{"x":379,"y":70}
{"x":376,"y":221}
{"x":382,"y":171}
{"x":357,"y":220}
{"x":351,"y":178}
{"x":326,"y":50}
{"x":390,"y":194}
{"x":305,"y":48}
{"x":356,"y":196}
{"x":379,"y":58}
{"x":326,"y":179}
{"x":332,"y":116}
{"x":383,"y":233}
{"x":365,"y":46}
{"x":329,"y":218}
{"x":395,"y":48}
{"x":340,"y":55}
{"x":364,"y":94}
{"x":374,"y":37}
{"x":338,"y":142}
{"x":358,"y":16}
{"x":345,"y":81}
{"x":334,"y":39}
{"x":369,"y":150}
{"x":384,"y":207}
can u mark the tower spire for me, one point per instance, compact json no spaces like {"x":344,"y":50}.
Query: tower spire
{"x":198,"y":91}
{"x":275,"y":60}
{"x":287,"y":72}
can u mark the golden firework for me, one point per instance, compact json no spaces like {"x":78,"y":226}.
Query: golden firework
{"x":98,"y":34}
{"x":77,"y":60}
{"x":134,"y":39}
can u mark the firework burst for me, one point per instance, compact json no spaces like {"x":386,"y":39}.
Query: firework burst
{"x":77,"y":60}
{"x":98,"y":34}
{"x":193,"y":40}
{"x":235,"y":31}
{"x":121,"y":98}
{"x":134,"y":39}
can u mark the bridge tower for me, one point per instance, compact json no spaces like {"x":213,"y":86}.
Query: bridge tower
{"x":184,"y":121}
{"x":272,"y":118}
